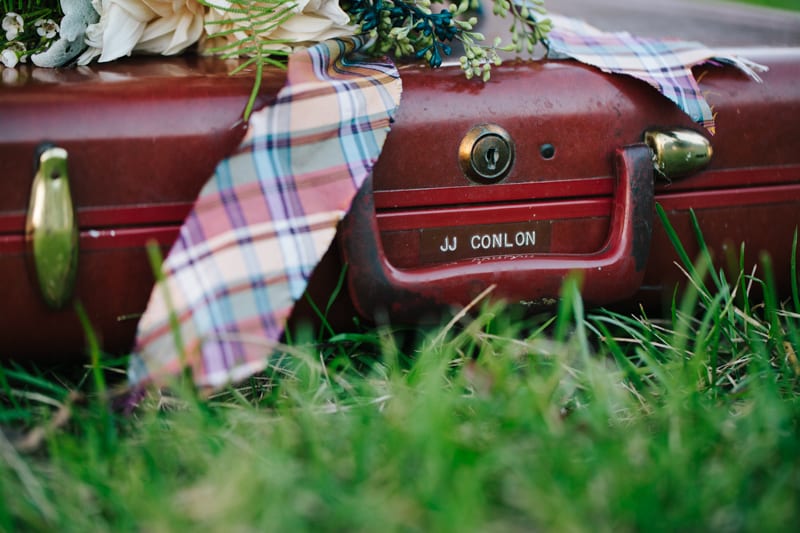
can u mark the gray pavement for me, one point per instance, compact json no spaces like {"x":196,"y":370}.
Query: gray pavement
{"x":711,"y":22}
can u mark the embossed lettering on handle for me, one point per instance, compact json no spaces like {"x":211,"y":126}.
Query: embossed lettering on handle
{"x":612,"y":273}
{"x":51,"y":228}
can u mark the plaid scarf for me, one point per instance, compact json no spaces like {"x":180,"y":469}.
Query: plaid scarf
{"x":664,"y":64}
{"x":266,"y":217}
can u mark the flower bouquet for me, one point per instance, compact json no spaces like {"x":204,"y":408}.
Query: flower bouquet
{"x":53,"y":33}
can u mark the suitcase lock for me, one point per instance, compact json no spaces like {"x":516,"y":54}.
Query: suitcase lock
{"x":486,"y":153}
{"x":51,"y":230}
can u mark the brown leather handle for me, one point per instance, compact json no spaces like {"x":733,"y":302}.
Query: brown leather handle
{"x":611,"y":274}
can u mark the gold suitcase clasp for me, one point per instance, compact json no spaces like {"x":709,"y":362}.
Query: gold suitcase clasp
{"x":678,"y":152}
{"x":51,"y":229}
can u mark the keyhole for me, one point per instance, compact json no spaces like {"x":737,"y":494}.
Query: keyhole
{"x":492,"y":156}
{"x":486,"y":153}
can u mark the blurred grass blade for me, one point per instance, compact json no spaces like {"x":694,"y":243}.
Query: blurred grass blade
{"x":744,"y":291}
{"x":94,"y":352}
{"x":156,"y":262}
{"x":793,"y":273}
{"x":672,"y":235}
{"x":771,"y":309}
{"x":625,"y":364}
{"x":31,"y":485}
{"x":565,"y":310}
{"x":701,"y":242}
{"x":27,"y":377}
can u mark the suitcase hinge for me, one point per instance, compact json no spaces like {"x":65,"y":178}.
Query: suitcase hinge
{"x":51,"y":229}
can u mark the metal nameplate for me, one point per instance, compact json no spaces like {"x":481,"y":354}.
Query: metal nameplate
{"x":439,"y":245}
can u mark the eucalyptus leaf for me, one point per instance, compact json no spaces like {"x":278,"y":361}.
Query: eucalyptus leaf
{"x":78,"y":14}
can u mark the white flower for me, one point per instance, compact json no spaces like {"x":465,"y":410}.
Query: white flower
{"x":313,"y":21}
{"x":9,"y":58}
{"x":14,"y":53}
{"x":46,"y":28}
{"x":165,"y":27}
{"x":12,"y":25}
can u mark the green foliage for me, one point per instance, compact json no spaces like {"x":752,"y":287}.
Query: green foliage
{"x":27,"y":6}
{"x":30,"y":38}
{"x":253,"y":20}
{"x":412,"y":29}
{"x":528,"y":24}
{"x":578,"y":420}
{"x":405,"y":29}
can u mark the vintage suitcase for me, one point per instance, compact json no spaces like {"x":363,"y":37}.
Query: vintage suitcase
{"x":577,"y":193}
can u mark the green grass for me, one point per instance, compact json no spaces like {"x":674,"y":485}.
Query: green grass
{"x":779,"y":4}
{"x":576,"y":420}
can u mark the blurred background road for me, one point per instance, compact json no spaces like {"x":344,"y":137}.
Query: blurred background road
{"x":711,"y":22}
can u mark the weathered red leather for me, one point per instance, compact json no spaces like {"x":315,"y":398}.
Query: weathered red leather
{"x":144,"y":135}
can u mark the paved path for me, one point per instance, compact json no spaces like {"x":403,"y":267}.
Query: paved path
{"x":711,"y":22}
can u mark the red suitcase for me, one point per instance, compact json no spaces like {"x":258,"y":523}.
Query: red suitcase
{"x":575,"y":196}
{"x":143,"y":135}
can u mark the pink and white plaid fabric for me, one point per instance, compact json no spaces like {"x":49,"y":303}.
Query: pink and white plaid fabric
{"x":664,"y":64}
{"x":266,"y":217}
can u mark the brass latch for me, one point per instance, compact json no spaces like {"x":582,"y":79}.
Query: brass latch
{"x":51,"y":228}
{"x":678,"y":152}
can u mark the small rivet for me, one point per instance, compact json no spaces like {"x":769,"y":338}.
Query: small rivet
{"x":547,"y":151}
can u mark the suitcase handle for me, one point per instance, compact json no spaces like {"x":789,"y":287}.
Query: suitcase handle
{"x":612,"y":274}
